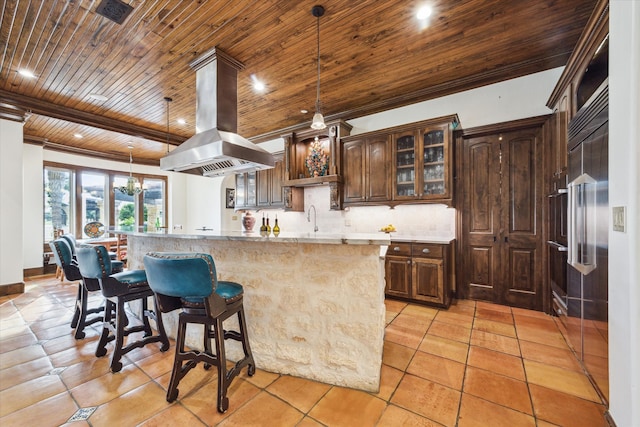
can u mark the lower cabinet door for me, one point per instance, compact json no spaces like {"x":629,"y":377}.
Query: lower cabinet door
{"x":398,"y":276}
{"x":428,"y":280}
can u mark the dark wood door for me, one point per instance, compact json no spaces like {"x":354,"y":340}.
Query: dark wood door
{"x":427,"y":280}
{"x":398,"y":276}
{"x":501,"y":218}
{"x":377,"y":173}
{"x":353,"y":158}
{"x":277,"y":178}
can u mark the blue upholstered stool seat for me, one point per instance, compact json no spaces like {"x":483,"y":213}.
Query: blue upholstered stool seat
{"x":189,"y":281}
{"x":119,"y":288}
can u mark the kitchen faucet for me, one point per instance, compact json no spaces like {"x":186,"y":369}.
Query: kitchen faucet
{"x":315,"y":216}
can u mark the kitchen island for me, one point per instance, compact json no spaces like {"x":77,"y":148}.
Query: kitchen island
{"x":314,"y":301}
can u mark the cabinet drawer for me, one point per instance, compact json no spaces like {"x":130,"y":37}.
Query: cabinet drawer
{"x":426,"y":250}
{"x":399,"y":249}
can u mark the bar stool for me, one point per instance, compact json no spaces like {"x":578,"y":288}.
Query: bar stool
{"x":65,"y":260}
{"x":71,"y":240}
{"x":118,"y":289}
{"x":189,"y":281}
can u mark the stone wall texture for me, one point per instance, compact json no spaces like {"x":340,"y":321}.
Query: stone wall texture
{"x":313,"y":310}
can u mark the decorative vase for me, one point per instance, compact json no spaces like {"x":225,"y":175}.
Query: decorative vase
{"x":248,"y":221}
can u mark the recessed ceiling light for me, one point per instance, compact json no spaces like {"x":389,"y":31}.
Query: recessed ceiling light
{"x":26,"y":73}
{"x":98,"y":97}
{"x":424,"y":12}
{"x":181,"y":121}
{"x":77,"y":135}
{"x":257,"y":84}
{"x":303,"y":111}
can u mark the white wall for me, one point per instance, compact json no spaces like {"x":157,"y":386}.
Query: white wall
{"x":32,"y":213}
{"x":624,"y":190}
{"x":11,"y":202}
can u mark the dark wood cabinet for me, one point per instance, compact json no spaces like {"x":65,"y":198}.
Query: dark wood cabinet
{"x":421,"y":272}
{"x":405,"y":164}
{"x":366,"y":170}
{"x":264,"y":189}
{"x":501,"y":234}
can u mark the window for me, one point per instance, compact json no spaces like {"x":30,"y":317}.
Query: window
{"x":75,"y":196}
{"x":59,"y":198}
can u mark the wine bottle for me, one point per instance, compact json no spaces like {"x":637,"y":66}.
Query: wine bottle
{"x":263,"y":227}
{"x":276,"y":227}
{"x":268,"y":226}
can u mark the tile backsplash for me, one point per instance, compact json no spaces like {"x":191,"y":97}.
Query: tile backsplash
{"x":424,"y":220}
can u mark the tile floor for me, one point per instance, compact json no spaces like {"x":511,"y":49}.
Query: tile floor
{"x":476,"y":364}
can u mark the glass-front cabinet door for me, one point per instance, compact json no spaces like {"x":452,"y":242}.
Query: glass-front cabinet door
{"x":421,"y":163}
{"x":405,"y":165}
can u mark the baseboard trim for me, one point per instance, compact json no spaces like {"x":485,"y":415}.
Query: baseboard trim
{"x":11,"y":288}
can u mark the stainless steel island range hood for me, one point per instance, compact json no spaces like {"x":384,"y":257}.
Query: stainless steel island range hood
{"x":216,"y":149}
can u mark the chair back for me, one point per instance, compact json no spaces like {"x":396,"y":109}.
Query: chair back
{"x":71,"y":241}
{"x":190,"y":276}
{"x":64,"y":258}
{"x":93,"y":261}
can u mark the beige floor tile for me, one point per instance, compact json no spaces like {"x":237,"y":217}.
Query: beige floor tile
{"x":546,"y":323}
{"x":54,"y":332}
{"x":410,"y":321}
{"x":85,"y":371}
{"x":396,"y":355}
{"x":495,"y":327}
{"x":66,"y":342}
{"x":260,"y":378}
{"x":450,"y":331}
{"x":467,"y":310}
{"x":12,"y":321}
{"x":173,"y":416}
{"x":429,"y":399}
{"x":444,"y":347}
{"x":407,"y":337}
{"x":261,"y":408}
{"x":498,"y":389}
{"x":109,"y":386}
{"x":569,"y":382}
{"x":24,"y":372}
{"x":389,"y":316}
{"x":494,"y":361}
{"x":562,"y":358}
{"x":395,"y":416}
{"x":455,"y":319}
{"x":495,"y":342}
{"x":496,"y":316}
{"x":197,"y":378}
{"x":29,"y":393}
{"x":203,"y":401}
{"x":348,"y":407}
{"x":17,"y":341}
{"x":308,"y":422}
{"x":131,"y":408}
{"x":21,"y":355}
{"x":420,"y":310}
{"x":437,"y":369}
{"x":389,"y":380}
{"x":476,"y":412}
{"x":482,"y":305}
{"x":530,"y":313}
{"x":53,"y":411}
{"x":394,"y":305}
{"x":300,"y":393}
{"x":157,"y":364}
{"x":565,"y":409}
{"x":469,"y":302}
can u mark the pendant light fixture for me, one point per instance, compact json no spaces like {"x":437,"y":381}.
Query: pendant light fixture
{"x":168,"y":100}
{"x":132,"y":187}
{"x":318,"y":119}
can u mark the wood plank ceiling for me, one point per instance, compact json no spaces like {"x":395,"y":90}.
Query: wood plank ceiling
{"x":375,"y":55}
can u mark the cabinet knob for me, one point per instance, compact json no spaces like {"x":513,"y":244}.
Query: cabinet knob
{"x":426,"y":251}
{"x":408,"y":261}
{"x":396,"y":248}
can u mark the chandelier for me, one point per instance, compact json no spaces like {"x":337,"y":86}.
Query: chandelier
{"x":132,"y":187}
{"x":318,"y":119}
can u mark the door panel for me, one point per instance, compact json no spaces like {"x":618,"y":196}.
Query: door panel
{"x":398,"y":274}
{"x":501,"y":226}
{"x":428,"y":279}
{"x":379,"y":181}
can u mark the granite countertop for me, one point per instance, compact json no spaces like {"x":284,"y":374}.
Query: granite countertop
{"x":414,"y":238}
{"x":284,"y":237}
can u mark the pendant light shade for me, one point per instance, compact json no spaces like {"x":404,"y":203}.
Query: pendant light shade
{"x":318,"y":119}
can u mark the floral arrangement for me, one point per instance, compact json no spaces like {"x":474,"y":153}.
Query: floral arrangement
{"x":317,"y":161}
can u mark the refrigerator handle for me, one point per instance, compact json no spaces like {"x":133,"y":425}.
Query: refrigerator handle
{"x":581,"y":224}
{"x":571,"y":225}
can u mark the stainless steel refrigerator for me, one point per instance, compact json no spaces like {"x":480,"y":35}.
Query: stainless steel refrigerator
{"x":588,"y":223}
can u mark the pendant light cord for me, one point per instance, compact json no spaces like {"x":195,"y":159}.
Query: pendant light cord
{"x":318,"y":82}
{"x":166,"y":98}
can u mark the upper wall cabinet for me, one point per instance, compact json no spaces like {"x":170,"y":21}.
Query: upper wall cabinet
{"x":405,"y":164}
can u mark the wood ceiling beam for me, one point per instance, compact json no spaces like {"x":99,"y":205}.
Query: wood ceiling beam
{"x":37,"y":106}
